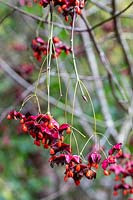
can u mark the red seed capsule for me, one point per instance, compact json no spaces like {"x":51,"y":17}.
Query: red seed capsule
{"x":59,"y":143}
{"x":106,"y":173}
{"x":59,"y":9}
{"x":115,"y":193}
{"x":131,"y":191}
{"x":65,"y":178}
{"x":46,"y":123}
{"x":37,"y":142}
{"x":125,"y":192}
{"x":95,"y":165}
{"x":46,"y":146}
{"x":52,"y":152}
{"x":67,"y":167}
{"x":77,"y":182}
{"x":117,"y":178}
{"x":56,"y":40}
{"x":68,"y":130}
{"x":40,"y":135}
{"x":89,"y":173}
{"x":78,"y":10}
{"x":33,"y":134}
{"x":43,"y":141}
{"x":120,"y":153}
{"x":9,"y":117}
{"x":66,"y":18}
{"x":64,"y":6}
{"x":78,"y":168}
{"x":22,"y":121}
{"x":49,"y":117}
{"x":50,"y":125}
{"x":70,"y":174}
{"x":24,"y":128}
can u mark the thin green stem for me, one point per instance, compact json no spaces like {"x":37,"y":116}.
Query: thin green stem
{"x":105,"y":138}
{"x":38,"y":104}
{"x":78,"y":132}
{"x":81,"y":85}
{"x":48,"y":80}
{"x":103,"y":152}
{"x":58,"y":71}
{"x":66,"y":98}
{"x":35,"y":92}
{"x":25,"y":101}
{"x":86,"y":144}
{"x":39,"y":76}
{"x":76,"y":142}
{"x":36,"y":86}
{"x":74,"y":97}
{"x":27,"y":97}
{"x":83,"y":158}
{"x":73,"y":55}
{"x":49,"y":49}
{"x":93,"y":110}
{"x":37,"y":30}
{"x":71,"y":141}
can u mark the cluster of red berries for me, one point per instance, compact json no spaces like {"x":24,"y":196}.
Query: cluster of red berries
{"x":45,"y":130}
{"x":64,"y":6}
{"x":77,"y":170}
{"x":121,"y":165}
{"x":40,"y":47}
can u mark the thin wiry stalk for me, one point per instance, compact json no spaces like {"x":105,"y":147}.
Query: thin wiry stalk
{"x":98,"y":84}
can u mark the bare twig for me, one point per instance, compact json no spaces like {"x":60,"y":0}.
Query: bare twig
{"x":115,"y":96}
{"x":122,"y":42}
{"x":108,"y":9}
{"x":127,"y":125}
{"x":102,"y":6}
{"x":7,"y":15}
{"x":112,"y":17}
{"x":103,"y":59}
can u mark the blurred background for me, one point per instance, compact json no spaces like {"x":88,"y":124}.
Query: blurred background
{"x":105,"y":65}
